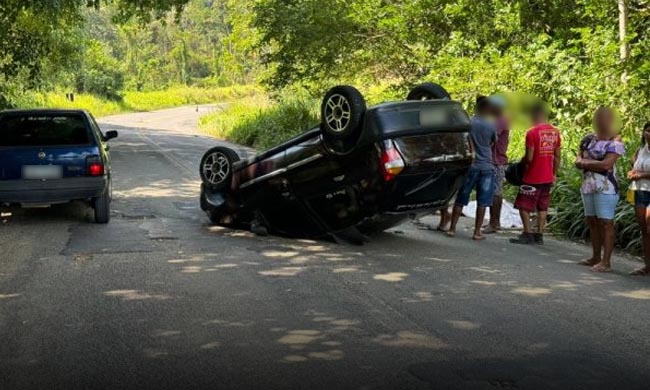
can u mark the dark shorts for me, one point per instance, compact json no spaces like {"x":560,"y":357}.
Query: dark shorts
{"x":533,"y":198}
{"x":641,"y":199}
{"x":483,"y":181}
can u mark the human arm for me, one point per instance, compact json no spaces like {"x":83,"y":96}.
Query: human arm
{"x":557,"y":160}
{"x":530,"y":153}
{"x":635,"y":175}
{"x":598,"y":165}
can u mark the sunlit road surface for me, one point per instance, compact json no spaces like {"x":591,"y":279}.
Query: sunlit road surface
{"x":158,"y":299}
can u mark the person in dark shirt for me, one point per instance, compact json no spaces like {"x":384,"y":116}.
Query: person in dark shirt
{"x":483,"y":135}
{"x":500,"y":154}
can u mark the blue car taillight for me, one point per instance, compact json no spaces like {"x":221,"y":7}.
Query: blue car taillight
{"x":94,"y":166}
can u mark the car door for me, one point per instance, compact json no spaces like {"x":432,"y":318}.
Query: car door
{"x":329,"y":185}
{"x":282,"y":206}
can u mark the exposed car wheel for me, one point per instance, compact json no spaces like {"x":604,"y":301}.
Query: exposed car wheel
{"x":217,"y":166}
{"x":428,"y":91}
{"x":342,"y":114}
{"x":102,"y":207}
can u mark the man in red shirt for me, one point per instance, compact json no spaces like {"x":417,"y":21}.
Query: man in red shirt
{"x":543,"y":143}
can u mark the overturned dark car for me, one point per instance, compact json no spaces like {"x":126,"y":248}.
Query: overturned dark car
{"x":361,"y":170}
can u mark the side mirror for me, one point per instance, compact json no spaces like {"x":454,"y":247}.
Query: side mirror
{"x":110,"y":135}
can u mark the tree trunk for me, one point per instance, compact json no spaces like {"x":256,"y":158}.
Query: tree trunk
{"x":622,"y":29}
{"x":622,"y":36}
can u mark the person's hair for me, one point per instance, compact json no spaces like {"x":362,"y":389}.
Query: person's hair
{"x":482,"y":104}
{"x":645,"y":127}
{"x":537,"y":110}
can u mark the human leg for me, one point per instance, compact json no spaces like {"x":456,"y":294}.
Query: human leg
{"x":462,"y":199}
{"x":497,"y":201}
{"x":605,"y":211}
{"x":526,"y":203}
{"x":484,"y":196}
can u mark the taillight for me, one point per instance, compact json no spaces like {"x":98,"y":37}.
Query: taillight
{"x":95,"y":166}
{"x":392,"y":163}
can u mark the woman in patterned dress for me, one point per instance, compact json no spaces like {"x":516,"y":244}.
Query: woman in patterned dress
{"x":600,"y":191}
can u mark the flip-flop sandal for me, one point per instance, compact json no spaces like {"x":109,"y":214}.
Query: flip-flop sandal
{"x":641,"y":272}
{"x":600,"y":269}
{"x":489,"y":230}
{"x":587,"y":263}
{"x":478,"y":238}
{"x":441,"y":229}
{"x":450,"y":234}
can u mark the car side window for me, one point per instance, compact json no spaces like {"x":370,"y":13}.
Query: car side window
{"x":96,"y":129}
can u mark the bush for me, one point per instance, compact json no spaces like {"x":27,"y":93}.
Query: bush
{"x":137,"y":101}
{"x":261,"y":122}
{"x":179,"y":96}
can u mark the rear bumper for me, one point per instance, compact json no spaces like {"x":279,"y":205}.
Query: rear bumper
{"x":51,"y":191}
{"x":425,"y":191}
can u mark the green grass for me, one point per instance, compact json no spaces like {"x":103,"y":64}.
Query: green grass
{"x":261,"y":122}
{"x":138,"y":101}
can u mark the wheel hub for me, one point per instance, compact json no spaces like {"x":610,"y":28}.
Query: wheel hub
{"x":338,"y":113}
{"x":216,"y":168}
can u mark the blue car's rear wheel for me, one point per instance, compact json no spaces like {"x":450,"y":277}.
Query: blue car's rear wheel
{"x":102,"y":207}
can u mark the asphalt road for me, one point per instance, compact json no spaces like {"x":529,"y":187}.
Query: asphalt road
{"x":158,"y":299}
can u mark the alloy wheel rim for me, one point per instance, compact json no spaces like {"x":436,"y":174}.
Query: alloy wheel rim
{"x":338,"y":113}
{"x":216,"y":168}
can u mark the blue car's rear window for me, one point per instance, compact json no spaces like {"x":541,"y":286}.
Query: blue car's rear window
{"x":35,"y":129}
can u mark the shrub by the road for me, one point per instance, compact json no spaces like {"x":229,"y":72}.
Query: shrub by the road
{"x":138,"y":101}
{"x":261,"y":122}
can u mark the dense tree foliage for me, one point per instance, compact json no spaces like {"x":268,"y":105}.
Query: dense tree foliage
{"x":101,"y":47}
{"x":41,"y":37}
{"x":400,"y":39}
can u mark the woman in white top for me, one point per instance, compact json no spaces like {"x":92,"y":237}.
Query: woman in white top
{"x":640,"y":176}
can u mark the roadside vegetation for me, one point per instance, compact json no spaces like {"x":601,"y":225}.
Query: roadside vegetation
{"x":121,"y":55}
{"x":130,"y":101}
{"x":261,"y":122}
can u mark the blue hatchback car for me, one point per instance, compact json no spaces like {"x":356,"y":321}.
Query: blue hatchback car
{"x":54,"y":156}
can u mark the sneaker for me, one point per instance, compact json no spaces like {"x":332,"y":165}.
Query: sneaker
{"x":538,"y":238}
{"x":523,"y":238}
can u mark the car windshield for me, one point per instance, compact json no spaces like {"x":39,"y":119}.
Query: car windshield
{"x":43,"y":130}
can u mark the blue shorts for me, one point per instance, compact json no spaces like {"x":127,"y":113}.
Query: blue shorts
{"x":601,"y":206}
{"x":641,"y":199}
{"x":483,"y":181}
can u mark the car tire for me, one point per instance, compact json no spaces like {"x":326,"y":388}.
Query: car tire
{"x":218,"y":177}
{"x":342,"y":112}
{"x":102,"y":208}
{"x":428,"y":91}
